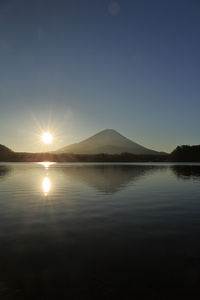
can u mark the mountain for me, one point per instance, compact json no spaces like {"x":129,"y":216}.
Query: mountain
{"x":5,"y":152}
{"x":4,"y":149}
{"x":107,"y":141}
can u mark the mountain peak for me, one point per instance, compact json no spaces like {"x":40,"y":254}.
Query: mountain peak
{"x":106,"y":137}
{"x":110,"y":130}
{"x":107,"y":141}
{"x":109,"y":133}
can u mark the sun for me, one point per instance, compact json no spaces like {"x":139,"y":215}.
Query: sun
{"x":47,"y":138}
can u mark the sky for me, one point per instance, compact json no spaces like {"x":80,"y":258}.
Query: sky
{"x":77,"y":67}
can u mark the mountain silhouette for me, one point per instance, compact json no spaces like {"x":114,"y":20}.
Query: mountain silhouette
{"x":108,"y":141}
{"x":5,"y":152}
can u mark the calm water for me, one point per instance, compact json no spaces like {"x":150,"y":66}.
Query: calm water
{"x":96,"y":231}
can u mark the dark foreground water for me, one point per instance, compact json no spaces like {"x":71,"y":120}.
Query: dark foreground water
{"x":96,"y":231}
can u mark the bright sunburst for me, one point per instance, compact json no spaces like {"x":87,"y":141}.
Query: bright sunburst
{"x":47,"y":138}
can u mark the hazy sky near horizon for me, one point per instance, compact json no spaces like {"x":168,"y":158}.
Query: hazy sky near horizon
{"x":78,"y":67}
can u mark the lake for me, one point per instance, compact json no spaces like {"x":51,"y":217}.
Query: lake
{"x":99,"y":231}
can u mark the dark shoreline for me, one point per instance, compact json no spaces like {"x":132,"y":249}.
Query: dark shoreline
{"x":180,"y":154}
{"x":52,"y":157}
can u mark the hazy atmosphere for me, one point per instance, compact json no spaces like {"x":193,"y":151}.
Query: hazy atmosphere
{"x":99,"y":149}
{"x":78,"y":67}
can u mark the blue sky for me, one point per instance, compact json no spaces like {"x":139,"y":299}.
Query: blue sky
{"x":78,"y":67}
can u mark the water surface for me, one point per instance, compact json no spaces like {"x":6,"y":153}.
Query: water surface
{"x":99,"y":231}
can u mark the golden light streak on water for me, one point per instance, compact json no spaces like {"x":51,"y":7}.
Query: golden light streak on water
{"x":46,"y":185}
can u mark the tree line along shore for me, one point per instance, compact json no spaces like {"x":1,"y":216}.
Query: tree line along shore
{"x":183,"y":153}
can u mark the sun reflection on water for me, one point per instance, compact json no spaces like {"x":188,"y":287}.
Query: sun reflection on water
{"x":46,"y":164}
{"x":46,"y":185}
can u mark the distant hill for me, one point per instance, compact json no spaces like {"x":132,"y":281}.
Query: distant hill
{"x":185,"y":153}
{"x":4,"y":149}
{"x":108,"y":141}
{"x":5,"y":152}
